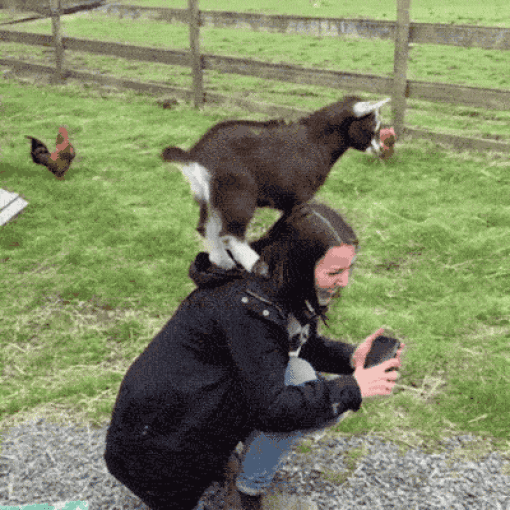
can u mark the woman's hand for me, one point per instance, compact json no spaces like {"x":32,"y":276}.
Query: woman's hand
{"x":375,"y":381}
{"x":359,"y":355}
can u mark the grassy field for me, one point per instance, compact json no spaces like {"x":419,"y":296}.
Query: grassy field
{"x":493,"y":13}
{"x":96,"y":264}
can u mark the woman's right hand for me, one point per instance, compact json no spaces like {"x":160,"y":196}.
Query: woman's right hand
{"x":375,"y":380}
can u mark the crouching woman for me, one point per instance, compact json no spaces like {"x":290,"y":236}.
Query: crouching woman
{"x":238,"y":362}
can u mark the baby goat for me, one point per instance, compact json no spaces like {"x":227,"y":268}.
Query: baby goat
{"x":240,"y":165}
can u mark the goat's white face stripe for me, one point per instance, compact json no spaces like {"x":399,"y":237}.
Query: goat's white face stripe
{"x":378,"y":121}
{"x":375,"y":148}
{"x":375,"y":144}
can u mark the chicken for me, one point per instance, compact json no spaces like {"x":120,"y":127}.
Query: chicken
{"x":388,"y":139}
{"x":57,"y":162}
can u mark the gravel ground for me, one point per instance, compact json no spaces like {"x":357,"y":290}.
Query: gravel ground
{"x":43,"y":462}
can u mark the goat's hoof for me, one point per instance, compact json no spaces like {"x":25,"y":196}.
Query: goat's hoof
{"x":225,"y":263}
{"x":260,"y":268}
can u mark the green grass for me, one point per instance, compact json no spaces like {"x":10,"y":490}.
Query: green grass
{"x":449,"y":64}
{"x":494,"y":13}
{"x":96,"y":264}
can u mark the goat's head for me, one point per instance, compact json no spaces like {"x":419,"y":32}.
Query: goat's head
{"x":363,"y":132}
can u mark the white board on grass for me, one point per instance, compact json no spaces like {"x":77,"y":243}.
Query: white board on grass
{"x":11,"y":204}
{"x":61,"y":505}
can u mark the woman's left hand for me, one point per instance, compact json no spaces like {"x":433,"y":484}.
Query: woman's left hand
{"x":359,"y":354}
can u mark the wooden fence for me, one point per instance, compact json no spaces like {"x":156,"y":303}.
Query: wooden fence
{"x":43,"y":6}
{"x":403,"y":32}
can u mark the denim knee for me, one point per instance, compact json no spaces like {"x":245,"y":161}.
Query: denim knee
{"x":298,"y":372}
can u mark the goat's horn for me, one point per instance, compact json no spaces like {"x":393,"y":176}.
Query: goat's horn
{"x":362,"y":108}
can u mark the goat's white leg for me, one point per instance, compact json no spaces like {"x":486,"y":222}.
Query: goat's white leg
{"x":242,"y":252}
{"x":217,"y":251}
{"x":199,"y":179}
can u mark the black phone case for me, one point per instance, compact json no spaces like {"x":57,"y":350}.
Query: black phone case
{"x":383,"y":349}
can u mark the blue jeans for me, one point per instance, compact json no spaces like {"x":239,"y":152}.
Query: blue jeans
{"x":264,"y":452}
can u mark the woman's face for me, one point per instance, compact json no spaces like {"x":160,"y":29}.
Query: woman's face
{"x":332,"y":271}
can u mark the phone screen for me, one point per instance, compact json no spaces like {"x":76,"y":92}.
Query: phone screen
{"x":383,"y":349}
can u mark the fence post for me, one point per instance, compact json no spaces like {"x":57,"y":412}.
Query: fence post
{"x":194,"y":42}
{"x":400,"y":65}
{"x":57,"y":40}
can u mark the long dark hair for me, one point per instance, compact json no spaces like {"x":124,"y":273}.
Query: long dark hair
{"x":293,"y":246}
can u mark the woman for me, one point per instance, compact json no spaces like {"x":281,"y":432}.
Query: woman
{"x":237,"y":362}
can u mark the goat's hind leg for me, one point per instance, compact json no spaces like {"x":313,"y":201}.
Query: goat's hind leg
{"x":234,"y":194}
{"x":217,"y":251}
{"x":203,"y":217}
{"x":241,"y":251}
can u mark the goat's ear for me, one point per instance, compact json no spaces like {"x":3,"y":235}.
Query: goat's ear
{"x":362,"y":108}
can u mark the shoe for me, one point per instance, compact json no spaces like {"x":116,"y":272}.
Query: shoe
{"x":234,"y":498}
{"x":250,"y":502}
{"x":233,"y":468}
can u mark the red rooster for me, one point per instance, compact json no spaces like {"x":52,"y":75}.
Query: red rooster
{"x":57,"y":162}
{"x":388,"y":139}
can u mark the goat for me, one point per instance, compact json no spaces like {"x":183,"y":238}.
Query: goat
{"x":240,"y":165}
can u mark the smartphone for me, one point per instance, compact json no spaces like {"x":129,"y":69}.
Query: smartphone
{"x":383,"y":349}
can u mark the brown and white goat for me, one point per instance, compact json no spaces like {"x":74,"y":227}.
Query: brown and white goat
{"x":240,"y":165}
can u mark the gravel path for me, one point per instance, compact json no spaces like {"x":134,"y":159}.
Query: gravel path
{"x":42,"y":462}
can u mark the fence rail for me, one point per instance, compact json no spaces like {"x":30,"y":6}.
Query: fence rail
{"x":399,"y":87}
{"x":43,"y":6}
{"x":495,"y":99}
{"x":491,"y":38}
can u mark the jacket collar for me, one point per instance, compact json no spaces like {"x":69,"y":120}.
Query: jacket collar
{"x":207,"y":275}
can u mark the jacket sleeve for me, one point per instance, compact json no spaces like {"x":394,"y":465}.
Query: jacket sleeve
{"x":256,"y":335}
{"x":325,"y":355}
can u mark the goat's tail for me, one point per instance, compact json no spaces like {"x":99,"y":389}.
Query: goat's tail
{"x":176,"y":154}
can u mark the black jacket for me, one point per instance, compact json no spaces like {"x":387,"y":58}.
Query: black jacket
{"x":215,"y":372}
